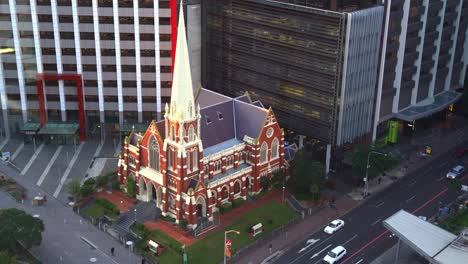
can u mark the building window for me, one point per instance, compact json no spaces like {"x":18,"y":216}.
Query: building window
{"x":237,"y":187}
{"x":191,"y":134}
{"x":195,"y":159}
{"x":169,"y":158}
{"x":153,"y":153}
{"x":172,"y":133}
{"x":263,"y":153}
{"x":207,"y":119}
{"x":207,"y":170}
{"x":131,"y":160}
{"x":274,"y":149}
{"x":220,"y":115}
{"x":188,"y":162}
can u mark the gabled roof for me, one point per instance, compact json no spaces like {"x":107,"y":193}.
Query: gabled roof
{"x":249,"y":119}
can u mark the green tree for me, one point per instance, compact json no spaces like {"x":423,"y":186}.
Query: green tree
{"x":131,"y":186}
{"x":16,"y":225}
{"x":315,"y":192}
{"x":73,"y":187}
{"x":6,"y":258}
{"x":305,"y":172}
{"x":377,"y":163}
{"x":86,"y":190}
{"x":101,"y":180}
{"x":265,"y":183}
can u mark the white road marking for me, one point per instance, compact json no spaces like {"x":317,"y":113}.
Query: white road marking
{"x":47,"y":169}
{"x":413,"y":183}
{"x":411,"y":198}
{"x":443,"y":164}
{"x":32,"y":159}
{"x":349,"y":240}
{"x":67,"y":171}
{"x":307,"y":251}
{"x":359,"y":261}
{"x":378,"y":220}
{"x":309,"y":242}
{"x":320,"y":252}
{"x":21,"y":146}
{"x":380,"y":204}
{"x":441,"y":178}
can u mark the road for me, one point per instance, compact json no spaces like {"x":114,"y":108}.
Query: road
{"x":363,"y":235}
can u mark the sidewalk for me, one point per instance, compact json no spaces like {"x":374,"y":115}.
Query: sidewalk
{"x":62,"y":239}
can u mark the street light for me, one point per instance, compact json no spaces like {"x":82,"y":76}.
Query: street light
{"x":225,"y":235}
{"x":283,"y":192}
{"x":135,"y":213}
{"x":366,"y":179}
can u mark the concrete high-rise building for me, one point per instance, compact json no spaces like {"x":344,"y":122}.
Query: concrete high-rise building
{"x":121,"y":53}
{"x":425,"y":55}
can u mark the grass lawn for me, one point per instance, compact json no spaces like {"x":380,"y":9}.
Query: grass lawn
{"x":457,"y":222}
{"x":210,"y":249}
{"x":173,"y":247}
{"x":96,"y":211}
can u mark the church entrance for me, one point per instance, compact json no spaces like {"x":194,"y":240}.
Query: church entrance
{"x":201,"y":207}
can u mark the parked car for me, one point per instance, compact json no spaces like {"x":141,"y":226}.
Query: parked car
{"x":455,"y":172}
{"x":335,"y":255}
{"x":334,"y":226}
{"x":460,"y":152}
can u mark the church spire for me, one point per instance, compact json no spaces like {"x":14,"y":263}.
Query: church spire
{"x":182,"y":101}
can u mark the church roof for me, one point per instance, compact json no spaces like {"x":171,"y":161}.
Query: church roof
{"x":224,"y":118}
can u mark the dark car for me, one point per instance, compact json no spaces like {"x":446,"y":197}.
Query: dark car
{"x":460,"y":152}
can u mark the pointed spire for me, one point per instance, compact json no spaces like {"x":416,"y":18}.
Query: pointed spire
{"x":182,"y":90}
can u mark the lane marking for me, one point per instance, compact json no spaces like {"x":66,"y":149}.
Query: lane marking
{"x":413,"y":183}
{"x":349,"y":240}
{"x":320,"y":252}
{"x":411,"y":198}
{"x":68,"y":170}
{"x":307,"y":251}
{"x":32,"y":159}
{"x":441,"y":178}
{"x":47,"y":169}
{"x":309,"y":243}
{"x":380,"y":204}
{"x":374,"y":223}
{"x":359,"y":261}
{"x":17,"y":152}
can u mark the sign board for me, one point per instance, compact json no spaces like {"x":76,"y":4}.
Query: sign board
{"x":228,"y":242}
{"x":5,"y":156}
{"x":392,"y":131}
{"x":464,"y":188}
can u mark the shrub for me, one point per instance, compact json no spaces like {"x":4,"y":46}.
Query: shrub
{"x":86,"y":190}
{"x":131,"y":185}
{"x":115,"y":185}
{"x":107,"y":205}
{"x":168,"y":219}
{"x":238,"y":202}
{"x":224,"y":208}
{"x":90,"y":182}
{"x":101,"y":180}
{"x":141,"y":230}
{"x":16,"y":195}
{"x":183,"y":224}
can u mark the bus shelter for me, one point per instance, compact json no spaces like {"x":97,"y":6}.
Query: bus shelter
{"x":60,"y":133}
{"x":30,"y":131}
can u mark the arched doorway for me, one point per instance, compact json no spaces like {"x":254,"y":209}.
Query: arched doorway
{"x":143,"y":188}
{"x":237,"y":187}
{"x":224,"y":192}
{"x":159,"y":197}
{"x":201,"y":207}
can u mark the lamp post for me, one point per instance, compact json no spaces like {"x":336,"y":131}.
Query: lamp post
{"x":225,"y":235}
{"x":135,"y":213}
{"x":366,"y":179}
{"x":283,"y":192}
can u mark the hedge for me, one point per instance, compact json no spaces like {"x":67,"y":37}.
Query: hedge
{"x":107,"y":205}
{"x":224,"y":208}
{"x":238,"y":202}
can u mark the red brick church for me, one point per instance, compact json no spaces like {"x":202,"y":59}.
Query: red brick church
{"x":209,"y":150}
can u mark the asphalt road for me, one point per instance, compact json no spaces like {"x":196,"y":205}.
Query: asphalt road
{"x":363,"y":235}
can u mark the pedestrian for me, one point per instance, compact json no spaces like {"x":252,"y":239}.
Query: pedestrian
{"x":81,"y":221}
{"x":270,"y":247}
{"x":64,"y":220}
{"x":143,"y":261}
{"x":112,"y":251}
{"x":379,"y":180}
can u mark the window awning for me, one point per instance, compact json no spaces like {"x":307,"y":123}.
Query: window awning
{"x":59,"y":129}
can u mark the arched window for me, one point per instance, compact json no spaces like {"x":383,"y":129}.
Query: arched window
{"x":153,"y":149}
{"x":191,"y":134}
{"x":169,"y":158}
{"x":195,"y":159}
{"x":263,"y":152}
{"x":189,"y":168}
{"x":237,"y":187}
{"x":274,"y":149}
{"x":172,"y":133}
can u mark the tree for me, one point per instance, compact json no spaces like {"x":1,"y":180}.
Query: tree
{"x":101,"y":180}
{"x":377,"y":163}
{"x":6,"y":258}
{"x":315,"y":192}
{"x":131,"y":185}
{"x":73,"y":187}
{"x":304,"y":172}
{"x":265,"y":183}
{"x":16,"y":225}
{"x":86,"y":190}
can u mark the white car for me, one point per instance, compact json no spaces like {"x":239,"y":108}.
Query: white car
{"x":335,"y":255}
{"x":334,"y":226}
{"x":455,"y":172}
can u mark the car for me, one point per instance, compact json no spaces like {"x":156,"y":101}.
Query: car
{"x":455,"y":172}
{"x":460,"y":152}
{"x":334,"y":226}
{"x":334,"y":255}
